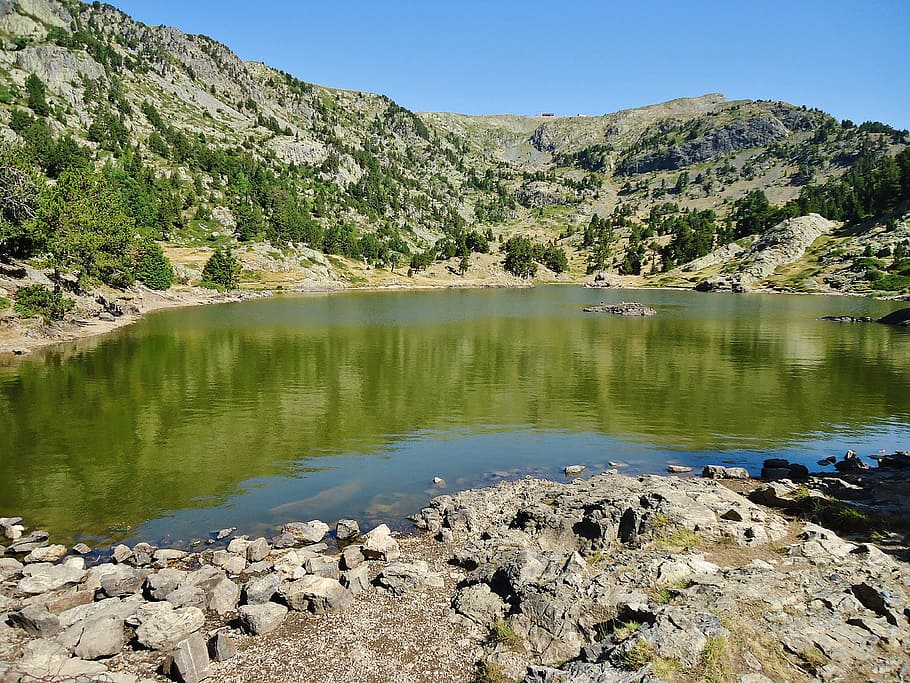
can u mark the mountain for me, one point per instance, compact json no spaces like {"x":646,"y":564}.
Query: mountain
{"x":203,"y":150}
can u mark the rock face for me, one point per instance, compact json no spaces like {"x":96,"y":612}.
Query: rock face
{"x":900,"y":317}
{"x":609,"y":574}
{"x":782,"y":244}
{"x":712,"y":145}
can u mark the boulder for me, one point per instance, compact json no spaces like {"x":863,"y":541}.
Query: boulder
{"x":163,"y":583}
{"x":189,"y":662}
{"x":574,"y":470}
{"x":347,"y":529}
{"x":122,"y":580}
{"x":258,"y":550}
{"x":261,"y":590}
{"x":316,"y":594}
{"x":101,"y":637}
{"x":356,"y":580}
{"x":306,"y":532}
{"x":36,"y":620}
{"x":48,"y":553}
{"x":323,"y":566}
{"x":223,"y":597}
{"x":479,"y":604}
{"x":121,"y":553}
{"x":43,"y":578}
{"x":163,"y":628}
{"x":352,"y":557}
{"x":187,"y":596}
{"x":260,"y":619}
{"x":851,"y":463}
{"x":221,"y":647}
{"x":378,"y":544}
{"x":400,"y":578}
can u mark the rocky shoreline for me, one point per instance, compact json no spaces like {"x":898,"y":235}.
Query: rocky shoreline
{"x":611,"y":578}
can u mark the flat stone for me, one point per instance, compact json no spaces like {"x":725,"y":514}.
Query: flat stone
{"x":678,"y":469}
{"x":101,"y":637}
{"x":189,"y":662}
{"x":260,"y":619}
{"x":42,"y":578}
{"x":48,"y":553}
{"x":323,"y":566}
{"x":36,"y":620}
{"x":239,"y":545}
{"x":163,"y":629}
{"x":400,"y":577}
{"x":9,"y":568}
{"x":307,"y":532}
{"x":26,"y":544}
{"x":67,"y":598}
{"x":316,"y":594}
{"x":165,"y":555}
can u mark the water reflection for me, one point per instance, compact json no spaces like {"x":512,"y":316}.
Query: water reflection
{"x":349,"y":404}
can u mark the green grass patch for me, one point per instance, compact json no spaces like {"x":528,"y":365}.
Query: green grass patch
{"x":4,"y":304}
{"x":625,"y":630}
{"x":502,"y":632}
{"x":641,"y":653}
{"x":716,"y":661}
{"x":490,"y":672}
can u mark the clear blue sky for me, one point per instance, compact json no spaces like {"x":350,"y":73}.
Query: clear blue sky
{"x":851,"y":59}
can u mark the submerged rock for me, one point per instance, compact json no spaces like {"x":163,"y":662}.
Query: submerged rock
{"x":631,"y":308}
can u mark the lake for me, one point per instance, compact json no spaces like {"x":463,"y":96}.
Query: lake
{"x":348,"y":404}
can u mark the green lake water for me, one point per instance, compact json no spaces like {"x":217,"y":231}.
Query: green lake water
{"x":347,"y":405}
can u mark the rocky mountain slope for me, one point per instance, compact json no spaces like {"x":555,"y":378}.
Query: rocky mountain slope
{"x":209,"y":151}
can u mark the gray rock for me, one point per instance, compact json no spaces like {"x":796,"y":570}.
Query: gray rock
{"x":678,"y":469}
{"x":121,"y":581}
{"x":163,"y":583}
{"x":378,"y":544}
{"x":261,"y":619}
{"x":479,"y":604}
{"x":121,"y":553}
{"x":36,"y":620}
{"x":187,"y":596}
{"x":307,"y":532}
{"x":223,"y":598}
{"x":163,"y":628}
{"x":258,"y":550}
{"x":236,"y":564}
{"x":222,"y":647}
{"x":224,"y":533}
{"x":43,"y":578}
{"x":347,"y":529}
{"x":239,"y":545}
{"x":316,"y":594}
{"x":356,"y":580}
{"x":400,"y":578}
{"x":261,"y":590}
{"x":166,"y":555}
{"x":101,"y":637}
{"x":574,"y":470}
{"x":714,"y":472}
{"x":81,"y":549}
{"x":9,"y":568}
{"x":48,"y":553}
{"x":352,"y":557}
{"x":189,"y":662}
{"x":323,"y":566}
{"x":26,"y":544}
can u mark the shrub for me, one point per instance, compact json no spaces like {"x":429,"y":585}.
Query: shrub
{"x":221,"y":271}
{"x":36,"y":300}
{"x":891,"y":283}
{"x":153,"y":268}
{"x":501,"y":632}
